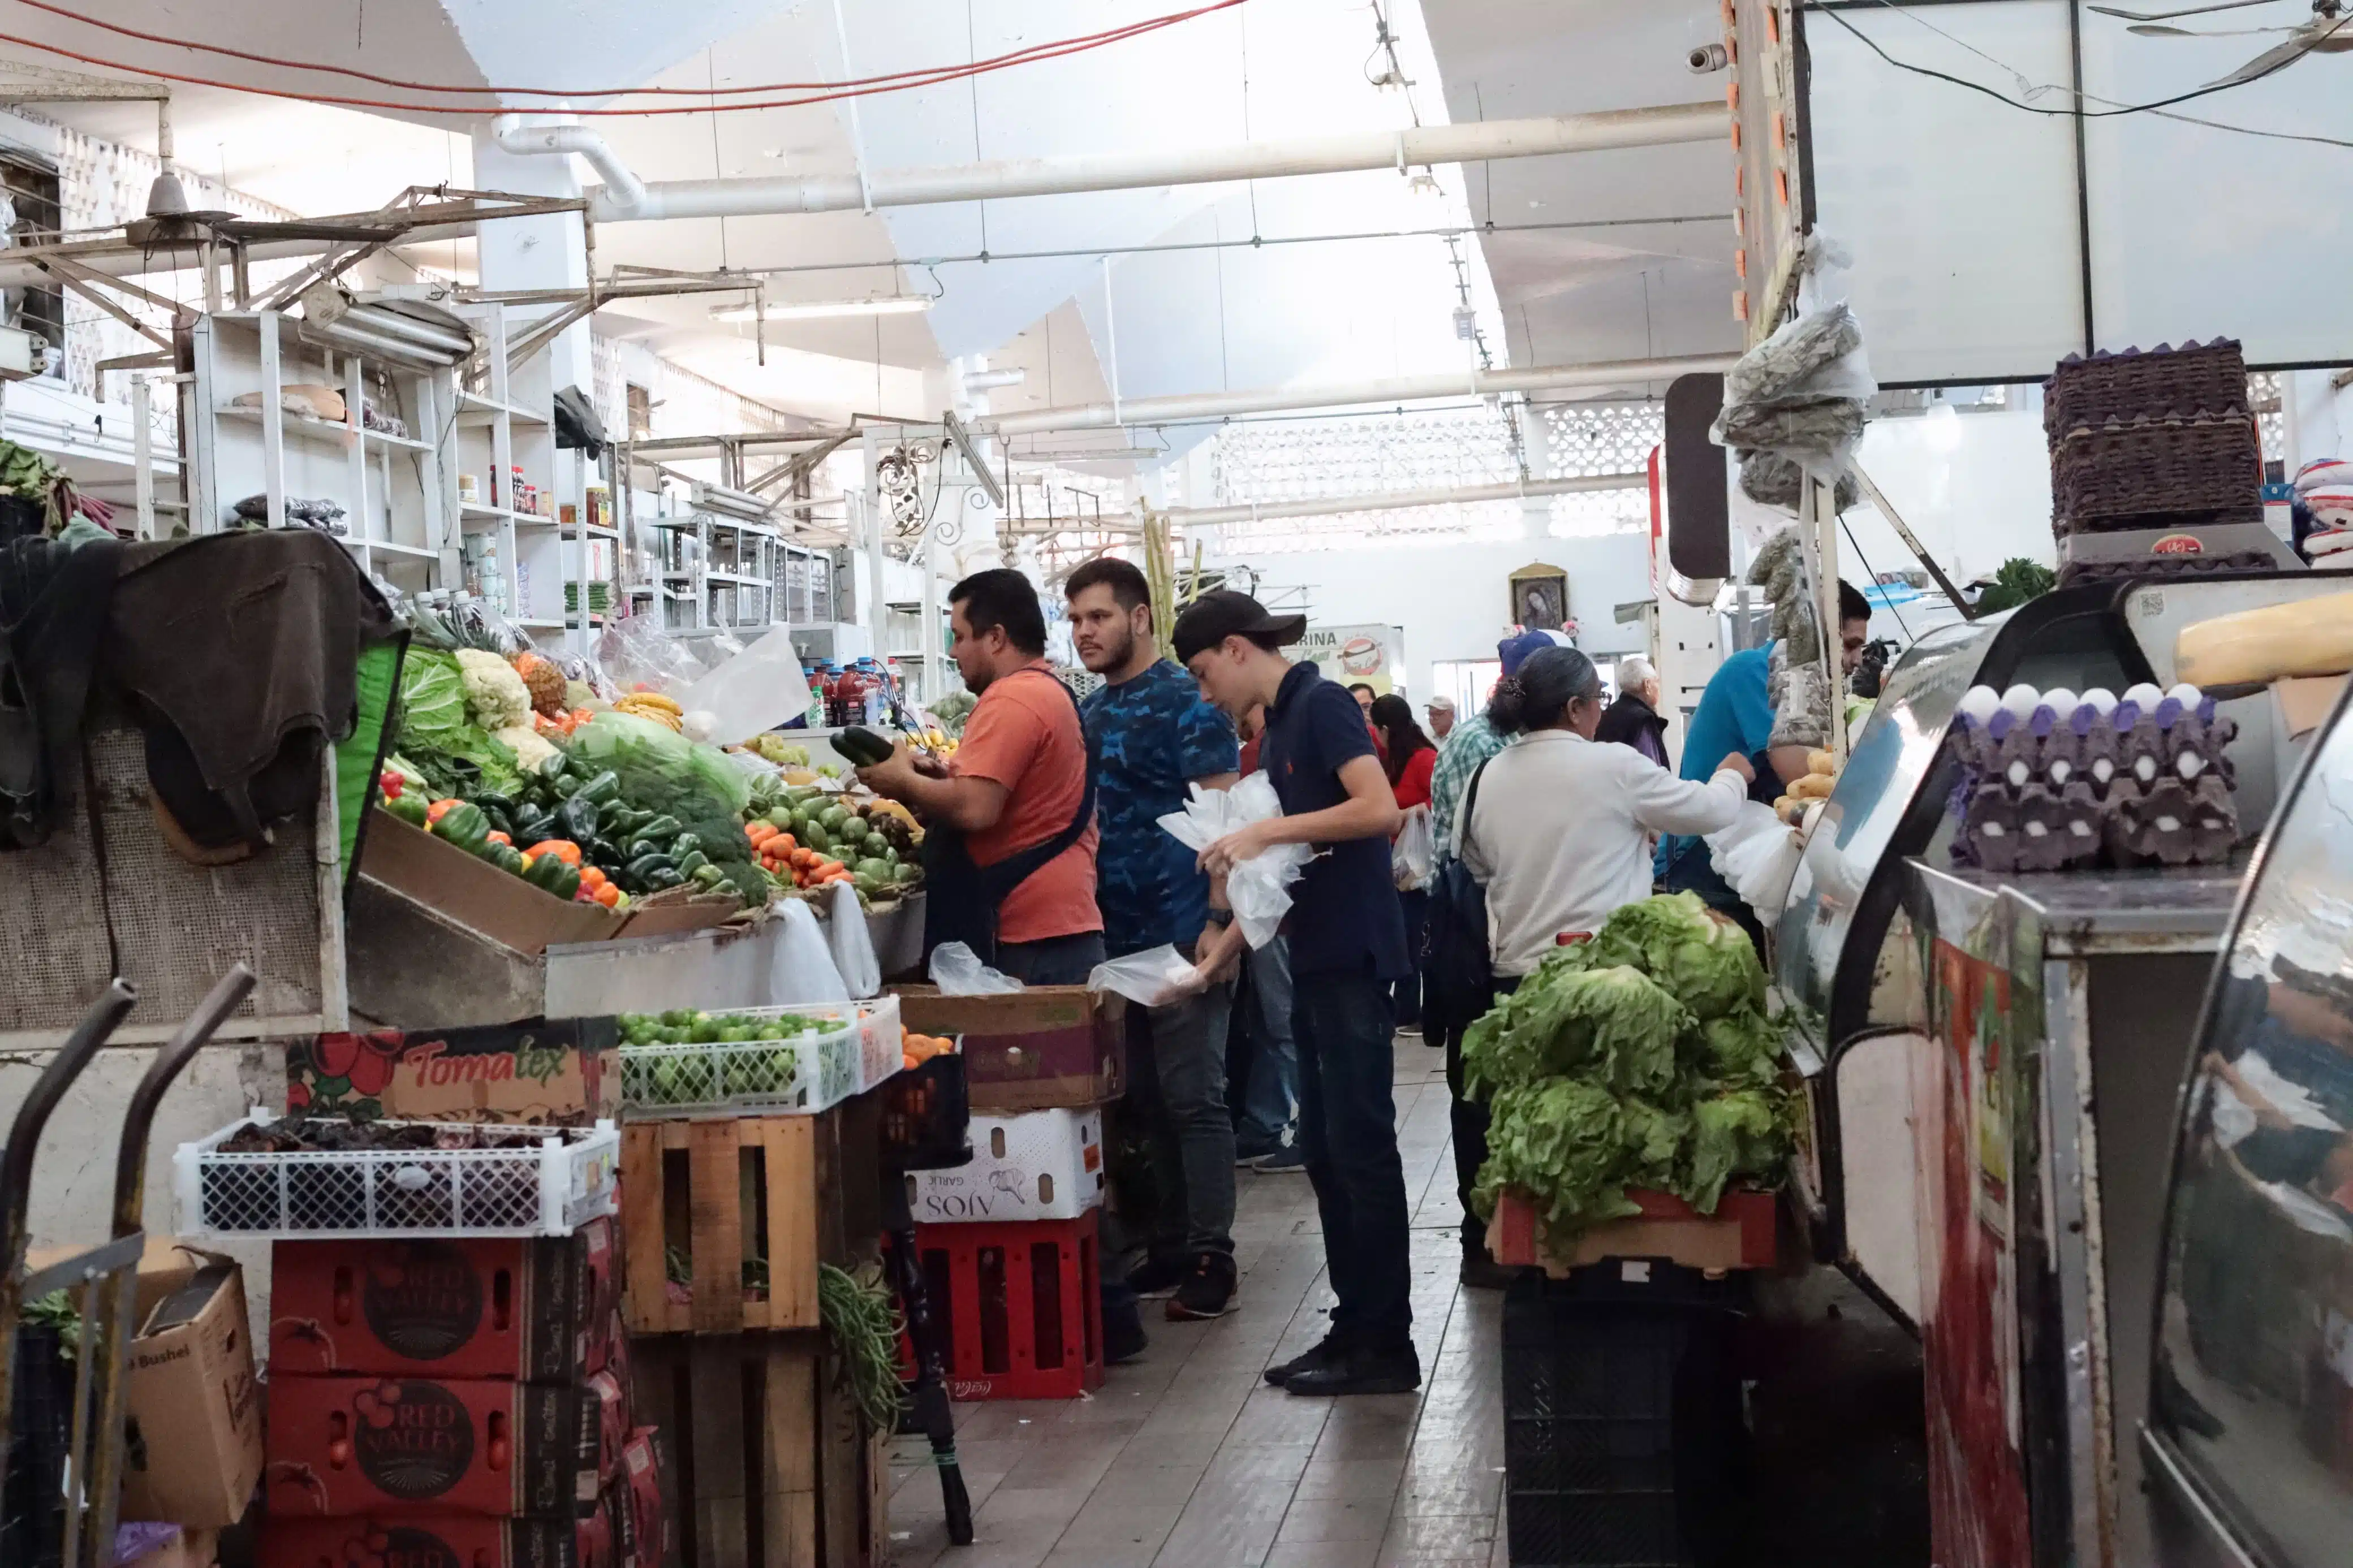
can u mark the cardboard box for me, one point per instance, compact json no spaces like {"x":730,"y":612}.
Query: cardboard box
{"x":611,"y":1398}
{"x":1039,"y":1165}
{"x":640,"y":1506}
{"x":437,"y":1540}
{"x":343,"y":1446}
{"x":559,"y":1072}
{"x":194,"y":1448}
{"x":517,"y":1309}
{"x":1743,"y":1233}
{"x":475,"y":893}
{"x":1049,"y":1046}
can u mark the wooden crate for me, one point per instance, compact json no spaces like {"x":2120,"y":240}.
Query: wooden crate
{"x":1743,"y":1233}
{"x":789,"y":1189}
{"x":773,"y":1466}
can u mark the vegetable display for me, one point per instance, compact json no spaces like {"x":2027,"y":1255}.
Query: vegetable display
{"x":807,"y":839}
{"x":653,"y":1076}
{"x":1641,"y":1059}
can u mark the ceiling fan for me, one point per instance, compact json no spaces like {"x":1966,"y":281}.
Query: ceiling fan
{"x":2329,"y":31}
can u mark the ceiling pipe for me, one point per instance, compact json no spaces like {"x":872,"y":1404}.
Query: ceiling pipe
{"x":1476,"y":141}
{"x":1133,"y":412}
{"x":1389,"y":500}
{"x":622,"y":188}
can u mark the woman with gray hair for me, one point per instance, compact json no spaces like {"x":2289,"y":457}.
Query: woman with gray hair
{"x":1634,"y":719}
{"x":1558,"y":827}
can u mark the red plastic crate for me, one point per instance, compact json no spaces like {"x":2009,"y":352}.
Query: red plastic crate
{"x":1023,"y":1306}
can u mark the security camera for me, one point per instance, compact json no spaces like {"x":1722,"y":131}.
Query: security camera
{"x":1708,"y":58}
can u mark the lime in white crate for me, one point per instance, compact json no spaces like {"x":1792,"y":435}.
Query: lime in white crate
{"x":1041,"y":1165}
{"x":756,"y":1061}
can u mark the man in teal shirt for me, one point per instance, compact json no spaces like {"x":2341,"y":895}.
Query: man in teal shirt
{"x":1735,"y":715}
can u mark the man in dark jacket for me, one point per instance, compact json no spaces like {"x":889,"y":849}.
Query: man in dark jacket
{"x":1634,"y":719}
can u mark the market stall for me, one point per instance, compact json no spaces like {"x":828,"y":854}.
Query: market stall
{"x":1994,"y":1054}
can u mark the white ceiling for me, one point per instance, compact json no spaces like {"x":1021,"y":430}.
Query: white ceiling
{"x":1613,"y":292}
{"x":1185,"y":320}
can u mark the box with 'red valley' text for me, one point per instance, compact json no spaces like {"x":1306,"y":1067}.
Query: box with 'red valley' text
{"x":363,"y":1445}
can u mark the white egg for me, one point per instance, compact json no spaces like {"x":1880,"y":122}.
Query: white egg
{"x":2020,"y":699}
{"x":2100,"y":699}
{"x":1980,"y":703}
{"x":2187,"y":695}
{"x":2144,"y":696}
{"x":2060,"y":701}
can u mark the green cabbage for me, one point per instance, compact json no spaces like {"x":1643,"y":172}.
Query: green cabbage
{"x":1642,"y":1059}
{"x":432,"y":696}
{"x":457,"y":756}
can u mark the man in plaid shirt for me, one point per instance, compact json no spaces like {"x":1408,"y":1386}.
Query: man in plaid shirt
{"x":1442,"y":1024}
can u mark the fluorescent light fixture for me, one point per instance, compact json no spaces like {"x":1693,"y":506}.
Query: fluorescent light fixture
{"x":806,"y":311}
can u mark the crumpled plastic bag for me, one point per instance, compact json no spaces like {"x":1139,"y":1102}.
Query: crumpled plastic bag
{"x":957,"y":971}
{"x":803,"y":969}
{"x":1259,"y":890}
{"x":1758,"y":855}
{"x":1413,"y":856}
{"x":1153,"y":978}
{"x":1801,"y":695}
{"x":854,"y":948}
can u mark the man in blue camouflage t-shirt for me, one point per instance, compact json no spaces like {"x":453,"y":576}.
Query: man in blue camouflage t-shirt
{"x":1149,"y":735}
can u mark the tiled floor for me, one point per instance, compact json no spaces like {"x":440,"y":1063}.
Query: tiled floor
{"x":1188,"y":1458}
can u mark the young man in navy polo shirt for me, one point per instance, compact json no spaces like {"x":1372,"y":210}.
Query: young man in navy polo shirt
{"x":1346,"y":933}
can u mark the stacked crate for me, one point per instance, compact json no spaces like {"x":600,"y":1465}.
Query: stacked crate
{"x":2156,"y":464}
{"x":471,"y":1392}
{"x":1010,"y":1242}
{"x":727,"y":1209}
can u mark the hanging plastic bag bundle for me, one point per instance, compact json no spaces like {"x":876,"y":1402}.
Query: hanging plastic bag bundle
{"x":1413,"y":857}
{"x":1258,"y":889}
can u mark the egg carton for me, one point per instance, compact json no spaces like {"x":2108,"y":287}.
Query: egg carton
{"x":2052,"y":781}
{"x":2136,"y":382}
{"x":2156,"y":467}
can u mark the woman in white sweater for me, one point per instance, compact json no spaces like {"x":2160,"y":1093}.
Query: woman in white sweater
{"x":1559,"y":831}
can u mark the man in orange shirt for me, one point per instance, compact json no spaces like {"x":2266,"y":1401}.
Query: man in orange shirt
{"x":1010,"y":836}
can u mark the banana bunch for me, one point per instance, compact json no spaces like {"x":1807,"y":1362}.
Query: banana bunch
{"x":652,"y":705}
{"x":1801,"y":801}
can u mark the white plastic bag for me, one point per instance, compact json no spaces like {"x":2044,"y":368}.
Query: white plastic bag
{"x":957,"y":971}
{"x":1413,"y":858}
{"x":854,"y":949}
{"x":1153,"y":978}
{"x":1758,"y":855}
{"x":803,"y":969}
{"x":757,"y":690}
{"x":1259,"y":890}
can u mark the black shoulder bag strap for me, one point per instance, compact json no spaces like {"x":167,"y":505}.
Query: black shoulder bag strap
{"x":1458,"y":967}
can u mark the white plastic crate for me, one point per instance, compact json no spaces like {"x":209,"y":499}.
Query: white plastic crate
{"x":1041,"y":1165}
{"x":549,"y":1187}
{"x":882,"y":1043}
{"x":810,"y":1072}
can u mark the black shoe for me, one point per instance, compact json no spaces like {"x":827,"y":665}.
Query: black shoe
{"x":1482,"y":1272}
{"x":1158,"y":1276}
{"x":1207,"y":1292}
{"x":1124,"y":1338}
{"x":1249,"y":1152}
{"x":1394,"y":1370}
{"x":1326,"y":1351}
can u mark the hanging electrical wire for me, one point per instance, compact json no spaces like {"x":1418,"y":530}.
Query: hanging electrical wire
{"x":815,"y":92}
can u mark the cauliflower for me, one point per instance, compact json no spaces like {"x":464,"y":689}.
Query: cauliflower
{"x":530,"y":747}
{"x":496,"y":696}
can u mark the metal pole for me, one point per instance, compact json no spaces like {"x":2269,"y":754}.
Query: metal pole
{"x":1911,"y":542}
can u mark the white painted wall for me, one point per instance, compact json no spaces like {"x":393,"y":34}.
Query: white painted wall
{"x":1453,"y":601}
{"x":1974,"y":488}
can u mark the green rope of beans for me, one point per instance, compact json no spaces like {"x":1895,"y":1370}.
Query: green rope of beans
{"x":857,"y":1313}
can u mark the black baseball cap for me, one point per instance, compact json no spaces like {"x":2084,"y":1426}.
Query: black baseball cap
{"x":1217,"y":615}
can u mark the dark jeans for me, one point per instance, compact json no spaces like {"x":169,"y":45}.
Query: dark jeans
{"x":1267,"y":1091}
{"x":1417,"y":930}
{"x":1056,"y":961}
{"x":1347,"y":1127}
{"x":1468,"y":1117}
{"x":1177,"y":1069}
